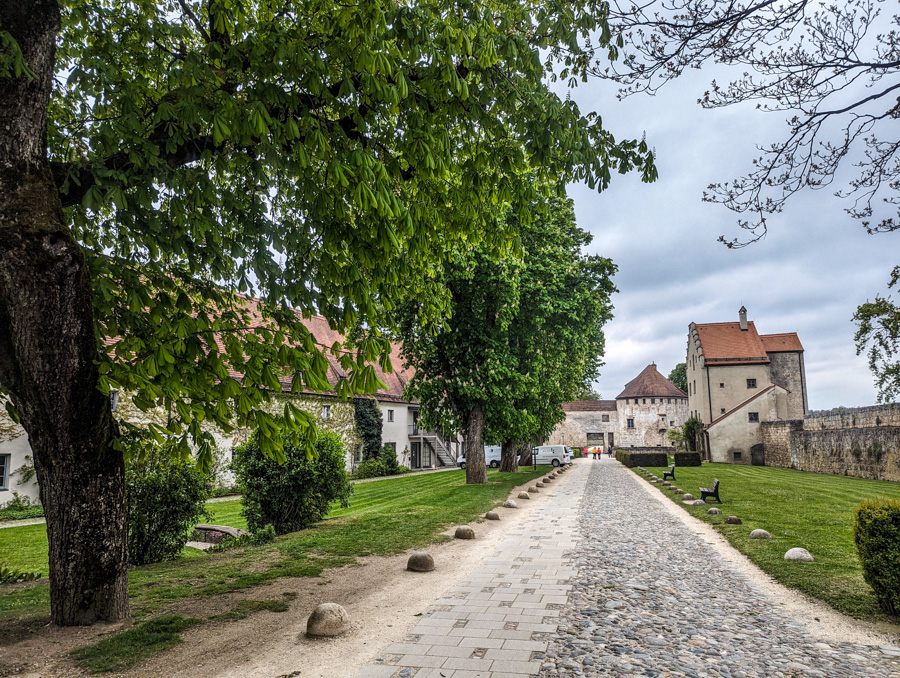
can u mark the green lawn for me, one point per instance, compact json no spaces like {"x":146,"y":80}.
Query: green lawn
{"x":810,"y":510}
{"x":385,"y":517}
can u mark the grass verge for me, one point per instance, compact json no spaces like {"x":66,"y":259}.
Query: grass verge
{"x":810,"y":510}
{"x":385,"y":517}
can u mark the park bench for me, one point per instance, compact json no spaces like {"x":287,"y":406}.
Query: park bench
{"x":670,"y":473}
{"x":711,"y":491}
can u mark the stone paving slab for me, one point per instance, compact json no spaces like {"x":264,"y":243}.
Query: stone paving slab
{"x":496,"y":622}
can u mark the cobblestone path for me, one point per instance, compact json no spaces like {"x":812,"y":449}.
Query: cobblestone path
{"x":651,"y":598}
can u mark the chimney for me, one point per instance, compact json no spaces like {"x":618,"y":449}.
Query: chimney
{"x":742,"y":314}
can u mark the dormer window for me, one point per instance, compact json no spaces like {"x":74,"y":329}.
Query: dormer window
{"x":326,"y":411}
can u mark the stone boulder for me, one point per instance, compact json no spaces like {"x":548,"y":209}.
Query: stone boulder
{"x":465,"y":532}
{"x":760,"y":534}
{"x":714,"y":511}
{"x":523,"y":495}
{"x":533,"y":488}
{"x":492,"y":515}
{"x":420,"y":561}
{"x":327,"y":620}
{"x":509,"y":503}
{"x":677,"y":491}
{"x":688,"y":497}
{"x":698,"y":502}
{"x":733,"y":520}
{"x":539,"y":484}
{"x":799,"y":554}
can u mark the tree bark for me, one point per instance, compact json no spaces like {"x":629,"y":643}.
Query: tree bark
{"x":476,"y":473}
{"x":48,"y":351}
{"x":525,"y":453}
{"x":509,"y":456}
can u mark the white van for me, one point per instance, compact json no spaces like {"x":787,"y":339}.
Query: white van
{"x":491,"y":457}
{"x":557,"y":455}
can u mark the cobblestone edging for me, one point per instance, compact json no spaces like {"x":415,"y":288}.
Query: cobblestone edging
{"x":650,"y":598}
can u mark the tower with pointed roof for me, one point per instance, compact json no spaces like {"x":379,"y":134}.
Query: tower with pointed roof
{"x":648,"y":407}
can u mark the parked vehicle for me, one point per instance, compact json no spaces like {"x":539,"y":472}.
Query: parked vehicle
{"x":557,"y":455}
{"x":491,"y":457}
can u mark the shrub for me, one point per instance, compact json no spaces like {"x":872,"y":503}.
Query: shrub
{"x":166,"y":498}
{"x":877,"y":536}
{"x":297,"y":493}
{"x":19,"y":508}
{"x":10,"y":575}
{"x":388,"y":458}
{"x":687,"y":459}
{"x":370,"y":468}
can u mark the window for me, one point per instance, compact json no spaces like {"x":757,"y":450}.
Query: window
{"x":737,"y":456}
{"x":604,"y":418}
{"x":631,"y":423}
{"x":721,"y":384}
{"x":326,"y":411}
{"x":113,"y":399}
{"x":390,"y":415}
{"x":751,"y":383}
{"x":645,"y":401}
{"x":754,"y":416}
{"x":653,"y":401}
{"x":671,"y":423}
{"x":4,"y":471}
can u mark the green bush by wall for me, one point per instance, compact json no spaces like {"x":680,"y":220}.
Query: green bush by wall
{"x":877,"y":536}
{"x":687,"y":459}
{"x":632,"y":459}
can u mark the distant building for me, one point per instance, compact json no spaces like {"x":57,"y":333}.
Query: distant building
{"x":738,"y":378}
{"x":640,"y":415}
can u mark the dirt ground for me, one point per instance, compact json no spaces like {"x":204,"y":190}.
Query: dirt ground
{"x":382,"y":598}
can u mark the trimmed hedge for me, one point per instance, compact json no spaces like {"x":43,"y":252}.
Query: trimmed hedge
{"x":877,"y":536}
{"x":687,"y":459}
{"x":632,"y":459}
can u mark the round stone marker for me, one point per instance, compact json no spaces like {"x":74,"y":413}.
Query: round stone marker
{"x":688,"y":497}
{"x":465,"y":532}
{"x":733,"y":520}
{"x":799,"y":554}
{"x":420,"y":561}
{"x":677,"y":491}
{"x":539,"y":484}
{"x":760,"y":534}
{"x":698,"y":502}
{"x":523,"y":495}
{"x":492,"y":515}
{"x":547,"y":479}
{"x":327,"y":620}
{"x":533,"y":489}
{"x":715,"y":511}
{"x":509,"y":503}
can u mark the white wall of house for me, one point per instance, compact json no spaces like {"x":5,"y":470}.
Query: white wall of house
{"x":731,"y":438}
{"x":396,"y":418}
{"x":13,"y":453}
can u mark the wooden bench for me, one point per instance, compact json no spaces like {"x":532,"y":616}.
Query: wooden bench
{"x":711,"y":491}
{"x":670,"y":473}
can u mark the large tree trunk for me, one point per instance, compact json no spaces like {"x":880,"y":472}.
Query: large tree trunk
{"x":476,"y":473}
{"x":509,"y":456}
{"x":525,"y":453}
{"x":47,"y":345}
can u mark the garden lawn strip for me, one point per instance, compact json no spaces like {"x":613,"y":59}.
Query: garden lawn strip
{"x":384,"y":518}
{"x":810,"y":510}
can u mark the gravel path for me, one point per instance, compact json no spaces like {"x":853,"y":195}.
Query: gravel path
{"x":651,"y":598}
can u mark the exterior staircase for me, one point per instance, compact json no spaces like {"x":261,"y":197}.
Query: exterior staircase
{"x":445,"y":456}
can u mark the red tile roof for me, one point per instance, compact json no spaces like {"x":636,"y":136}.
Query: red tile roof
{"x":651,"y":383}
{"x":727,"y":343}
{"x":590,"y":406}
{"x":781,"y":343}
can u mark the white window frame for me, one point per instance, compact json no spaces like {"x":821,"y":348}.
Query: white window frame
{"x":326,"y":412}
{"x":390,"y":415}
{"x":4,"y":471}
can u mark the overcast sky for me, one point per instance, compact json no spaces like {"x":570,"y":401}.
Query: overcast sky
{"x":807,"y":276}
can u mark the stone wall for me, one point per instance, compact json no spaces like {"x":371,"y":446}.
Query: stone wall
{"x":863,"y":442}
